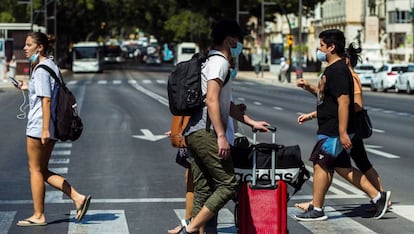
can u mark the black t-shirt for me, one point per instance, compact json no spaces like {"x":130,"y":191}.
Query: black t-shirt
{"x":336,"y":80}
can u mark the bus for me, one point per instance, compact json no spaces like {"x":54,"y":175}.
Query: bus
{"x":184,"y":51}
{"x":87,"y":57}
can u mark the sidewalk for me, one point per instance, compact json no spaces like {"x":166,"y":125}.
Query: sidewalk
{"x":271,"y":78}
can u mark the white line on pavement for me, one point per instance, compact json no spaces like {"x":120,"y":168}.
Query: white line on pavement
{"x":6,"y":219}
{"x":336,"y":223}
{"x":61,"y":152}
{"x":99,"y":221}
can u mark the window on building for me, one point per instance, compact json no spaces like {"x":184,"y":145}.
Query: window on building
{"x":399,"y":17}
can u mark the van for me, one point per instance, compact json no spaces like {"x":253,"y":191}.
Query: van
{"x":87,"y":57}
{"x":184,"y":51}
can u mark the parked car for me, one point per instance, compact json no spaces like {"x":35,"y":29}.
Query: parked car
{"x":365,"y":73}
{"x":386,"y":77}
{"x":405,"y":81}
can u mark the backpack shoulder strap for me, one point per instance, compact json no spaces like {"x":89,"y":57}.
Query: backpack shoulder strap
{"x":52,"y":73}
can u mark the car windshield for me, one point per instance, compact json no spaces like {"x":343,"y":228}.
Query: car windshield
{"x":360,"y":69}
{"x":365,"y":68}
{"x":399,"y":69}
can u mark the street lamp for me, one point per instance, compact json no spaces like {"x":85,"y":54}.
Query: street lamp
{"x":299,"y":72}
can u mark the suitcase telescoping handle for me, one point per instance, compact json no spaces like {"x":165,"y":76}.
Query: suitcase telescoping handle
{"x":272,"y":185}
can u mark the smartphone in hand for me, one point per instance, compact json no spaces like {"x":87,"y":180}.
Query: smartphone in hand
{"x":14,"y":81}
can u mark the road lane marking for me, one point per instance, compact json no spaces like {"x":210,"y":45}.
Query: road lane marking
{"x":72,"y":82}
{"x":381,"y":153}
{"x":225,"y":220}
{"x":6,"y":220}
{"x":404,"y":211}
{"x":153,"y":95}
{"x":149,"y":136}
{"x":99,"y":221}
{"x":59,"y":170}
{"x":117,"y":82}
{"x":102,"y":82}
{"x":59,"y":161}
{"x":161,"y":81}
{"x":340,"y":184}
{"x":336,"y":223}
{"x":60,"y":145}
{"x":61,"y":152}
{"x":277,"y":108}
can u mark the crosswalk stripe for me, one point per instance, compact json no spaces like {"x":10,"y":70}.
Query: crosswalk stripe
{"x":338,"y":223}
{"x":225,"y":220}
{"x":99,"y":221}
{"x":6,"y":219}
{"x":59,"y":161}
{"x":59,"y":170}
{"x":404,"y":211}
{"x":60,"y":145}
{"x":102,"y":82}
{"x":61,"y":152}
{"x":117,"y":82}
{"x":72,"y":82}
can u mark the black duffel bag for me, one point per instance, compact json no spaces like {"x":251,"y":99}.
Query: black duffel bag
{"x":288,"y":159}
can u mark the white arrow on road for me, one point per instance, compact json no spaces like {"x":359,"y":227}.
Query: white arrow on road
{"x":147,"y":135}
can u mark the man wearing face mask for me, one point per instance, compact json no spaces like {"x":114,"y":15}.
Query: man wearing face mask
{"x":213,"y":172}
{"x":335,"y":115}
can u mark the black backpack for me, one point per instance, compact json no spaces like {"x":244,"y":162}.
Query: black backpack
{"x":68,"y":124}
{"x":185,"y":96}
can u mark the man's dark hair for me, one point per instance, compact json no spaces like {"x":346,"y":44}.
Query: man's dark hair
{"x":334,"y":37}
{"x":225,"y":28}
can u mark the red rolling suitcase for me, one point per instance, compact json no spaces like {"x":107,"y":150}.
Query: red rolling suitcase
{"x":262,"y":205}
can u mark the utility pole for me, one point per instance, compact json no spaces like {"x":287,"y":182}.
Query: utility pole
{"x":299,"y":69}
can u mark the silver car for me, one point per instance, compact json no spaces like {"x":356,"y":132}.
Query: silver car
{"x":405,"y":81}
{"x":365,"y":73}
{"x":386,"y":77}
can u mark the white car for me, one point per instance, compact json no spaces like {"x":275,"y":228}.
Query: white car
{"x":386,"y":77}
{"x":365,"y":73}
{"x":405,"y":81}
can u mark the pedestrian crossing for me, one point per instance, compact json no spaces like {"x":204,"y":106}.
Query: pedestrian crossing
{"x":115,"y":222}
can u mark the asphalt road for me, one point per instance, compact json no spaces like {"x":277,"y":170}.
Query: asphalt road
{"x":128,"y":166}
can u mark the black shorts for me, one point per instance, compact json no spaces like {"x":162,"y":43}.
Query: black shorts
{"x":327,"y":161}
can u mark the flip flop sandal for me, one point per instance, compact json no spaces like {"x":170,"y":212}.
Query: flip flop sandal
{"x":84,"y":207}
{"x":29,"y":223}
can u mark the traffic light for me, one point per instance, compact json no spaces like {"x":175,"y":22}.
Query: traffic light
{"x":289,"y":40}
